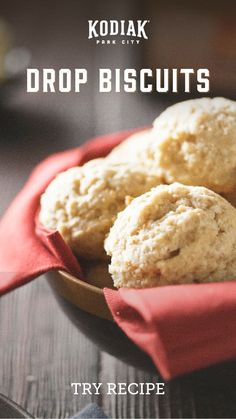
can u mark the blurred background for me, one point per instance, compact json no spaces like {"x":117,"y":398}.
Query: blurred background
{"x":40,"y":351}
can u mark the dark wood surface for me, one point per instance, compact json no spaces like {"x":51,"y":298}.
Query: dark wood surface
{"x":41,"y":352}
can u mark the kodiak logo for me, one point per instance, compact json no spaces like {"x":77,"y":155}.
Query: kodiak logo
{"x":130,"y":31}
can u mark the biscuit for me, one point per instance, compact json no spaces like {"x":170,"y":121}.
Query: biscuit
{"x":82,"y":203}
{"x":194,"y":142}
{"x":173,"y":234}
{"x":131,"y":149}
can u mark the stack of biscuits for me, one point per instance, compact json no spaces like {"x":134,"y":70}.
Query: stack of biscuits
{"x":159,"y":208}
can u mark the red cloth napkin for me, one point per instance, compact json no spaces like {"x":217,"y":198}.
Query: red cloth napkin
{"x":182,"y":328}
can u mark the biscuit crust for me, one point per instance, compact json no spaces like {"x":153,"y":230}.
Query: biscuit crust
{"x":173,"y":234}
{"x":132,"y":148}
{"x":82,"y":203}
{"x":194,"y":142}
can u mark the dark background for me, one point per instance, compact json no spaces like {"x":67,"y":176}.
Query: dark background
{"x":41,"y":353}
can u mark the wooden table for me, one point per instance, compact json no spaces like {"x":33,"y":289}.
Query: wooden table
{"x":41,"y":352}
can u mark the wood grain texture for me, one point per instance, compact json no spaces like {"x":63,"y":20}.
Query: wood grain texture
{"x":41,"y":352}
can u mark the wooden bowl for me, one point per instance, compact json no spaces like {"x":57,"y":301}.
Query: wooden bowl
{"x":86,"y":306}
{"x":81,"y":294}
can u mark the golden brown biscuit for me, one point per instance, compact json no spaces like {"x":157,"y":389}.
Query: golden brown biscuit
{"x":194,"y":142}
{"x":173,"y":234}
{"x":82,"y":203}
